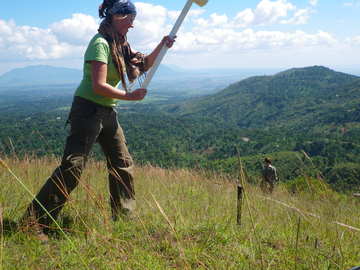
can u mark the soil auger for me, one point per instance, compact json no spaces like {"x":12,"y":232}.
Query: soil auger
{"x":173,"y":32}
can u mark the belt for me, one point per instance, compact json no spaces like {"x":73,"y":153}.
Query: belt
{"x":91,"y":103}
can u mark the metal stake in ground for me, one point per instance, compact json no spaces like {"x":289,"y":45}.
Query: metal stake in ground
{"x":172,"y":34}
{"x":239,"y":203}
{"x":240,"y":189}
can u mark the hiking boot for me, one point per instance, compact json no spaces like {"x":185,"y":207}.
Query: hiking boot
{"x":125,"y":211}
{"x":42,"y":237}
{"x":33,"y":228}
{"x":124,"y":216}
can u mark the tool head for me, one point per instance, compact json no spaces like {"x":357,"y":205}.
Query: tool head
{"x":201,"y":3}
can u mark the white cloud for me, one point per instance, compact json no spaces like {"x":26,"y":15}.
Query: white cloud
{"x":301,"y":16}
{"x":245,"y":18}
{"x":218,"y":19}
{"x":313,"y":2}
{"x":353,"y":41}
{"x":266,"y":12}
{"x":174,"y":14}
{"x":77,"y":30}
{"x":230,"y":40}
{"x":352,"y":3}
{"x":25,"y":42}
{"x":271,"y":11}
{"x":214,"y":34}
{"x":214,"y":20}
{"x":150,"y":25}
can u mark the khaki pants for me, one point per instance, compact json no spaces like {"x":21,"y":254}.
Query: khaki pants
{"x":90,"y":123}
{"x":267,"y":186}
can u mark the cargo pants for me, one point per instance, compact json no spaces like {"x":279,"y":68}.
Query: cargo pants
{"x":90,"y":123}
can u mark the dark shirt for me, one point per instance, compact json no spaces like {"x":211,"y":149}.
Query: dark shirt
{"x":269,"y":173}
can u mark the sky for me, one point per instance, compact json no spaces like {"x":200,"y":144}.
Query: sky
{"x":222,"y":34}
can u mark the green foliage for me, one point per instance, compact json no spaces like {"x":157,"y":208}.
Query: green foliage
{"x":313,"y":110}
{"x":344,"y":176}
{"x":308,"y":185}
{"x":295,"y":99}
{"x":289,"y":165}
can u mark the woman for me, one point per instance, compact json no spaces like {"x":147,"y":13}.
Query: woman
{"x":108,"y":59}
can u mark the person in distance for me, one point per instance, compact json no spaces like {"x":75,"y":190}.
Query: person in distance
{"x":269,"y":176}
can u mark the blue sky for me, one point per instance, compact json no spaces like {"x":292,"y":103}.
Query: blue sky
{"x":226,"y":34}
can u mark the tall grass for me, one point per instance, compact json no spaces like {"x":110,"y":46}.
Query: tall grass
{"x":184,"y":220}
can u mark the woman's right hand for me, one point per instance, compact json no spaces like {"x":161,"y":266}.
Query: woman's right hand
{"x":137,"y":94}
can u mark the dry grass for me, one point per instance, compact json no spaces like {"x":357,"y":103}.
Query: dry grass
{"x":184,"y":220}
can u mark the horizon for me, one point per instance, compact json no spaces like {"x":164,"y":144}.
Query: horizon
{"x":261,"y":34}
{"x":349,"y":70}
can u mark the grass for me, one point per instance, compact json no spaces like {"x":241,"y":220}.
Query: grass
{"x":184,"y":220}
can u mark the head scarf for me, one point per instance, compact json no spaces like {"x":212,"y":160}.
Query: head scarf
{"x":122,"y":7}
{"x":125,"y":61}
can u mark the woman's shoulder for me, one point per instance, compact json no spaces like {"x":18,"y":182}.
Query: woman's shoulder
{"x":97,"y":46}
{"x":99,"y":39}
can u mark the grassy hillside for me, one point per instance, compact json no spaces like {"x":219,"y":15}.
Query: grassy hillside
{"x":184,"y":220}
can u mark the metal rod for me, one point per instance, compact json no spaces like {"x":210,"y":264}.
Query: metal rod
{"x":164,"y":49}
{"x":239,"y":203}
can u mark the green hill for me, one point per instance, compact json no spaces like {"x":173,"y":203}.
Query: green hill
{"x":294,"y":98}
{"x":314,"y":109}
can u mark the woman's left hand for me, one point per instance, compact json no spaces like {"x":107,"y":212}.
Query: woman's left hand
{"x":168,"y":41}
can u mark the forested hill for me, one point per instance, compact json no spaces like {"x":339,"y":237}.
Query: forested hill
{"x":314,"y":109}
{"x":293,"y":99}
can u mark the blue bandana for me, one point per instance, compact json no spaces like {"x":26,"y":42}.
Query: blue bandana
{"x":122,"y":7}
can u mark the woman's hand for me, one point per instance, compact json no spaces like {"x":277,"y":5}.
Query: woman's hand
{"x":168,"y":41}
{"x":150,"y":59}
{"x":137,"y":94}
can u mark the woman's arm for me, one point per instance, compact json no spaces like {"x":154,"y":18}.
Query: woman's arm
{"x":101,"y":87}
{"x":150,"y":59}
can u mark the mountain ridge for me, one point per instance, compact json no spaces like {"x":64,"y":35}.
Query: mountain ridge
{"x":40,"y":75}
{"x":34,"y":75}
{"x":313,"y":110}
{"x":262,"y":101}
